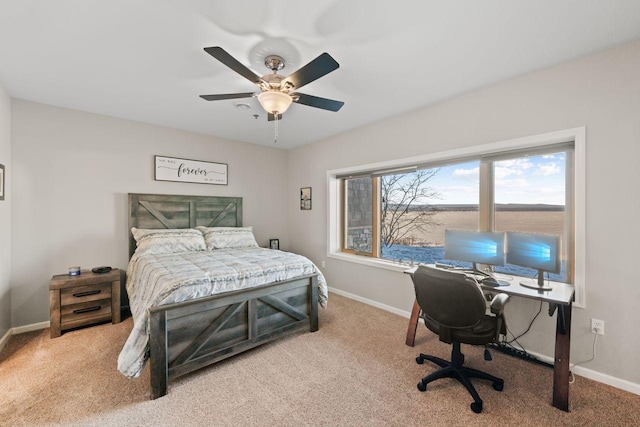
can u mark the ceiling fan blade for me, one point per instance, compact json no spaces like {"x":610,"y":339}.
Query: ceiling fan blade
{"x":271,"y":117}
{"x":322,"y":65}
{"x":316,"y":101}
{"x":221,"y":55}
{"x":227,"y":96}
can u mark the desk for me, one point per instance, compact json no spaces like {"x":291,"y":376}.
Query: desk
{"x":561,"y":296}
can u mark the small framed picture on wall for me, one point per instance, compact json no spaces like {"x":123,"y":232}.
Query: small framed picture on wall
{"x":274,"y":244}
{"x":305,"y":198}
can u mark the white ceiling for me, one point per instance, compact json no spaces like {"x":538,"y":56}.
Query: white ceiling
{"x":143,"y":60}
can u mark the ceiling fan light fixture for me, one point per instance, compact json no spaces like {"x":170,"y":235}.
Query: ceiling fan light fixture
{"x":274,"y":101}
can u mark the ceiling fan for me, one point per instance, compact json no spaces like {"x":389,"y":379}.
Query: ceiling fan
{"x":278,"y":92}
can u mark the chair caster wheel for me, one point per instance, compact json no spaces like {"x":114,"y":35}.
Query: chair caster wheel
{"x":499,"y":386}
{"x":422,"y":386}
{"x":476,"y":407}
{"x":419,"y":360}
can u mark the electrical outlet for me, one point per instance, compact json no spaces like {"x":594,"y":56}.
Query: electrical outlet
{"x":322,"y":263}
{"x":597,"y":326}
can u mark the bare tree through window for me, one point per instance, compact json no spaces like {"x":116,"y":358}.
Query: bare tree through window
{"x":406,"y":205}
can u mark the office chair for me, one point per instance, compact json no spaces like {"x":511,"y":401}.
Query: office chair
{"x":454,"y":307}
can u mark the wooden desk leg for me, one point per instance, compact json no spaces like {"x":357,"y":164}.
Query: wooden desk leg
{"x":561,"y":365}
{"x":413,"y":324}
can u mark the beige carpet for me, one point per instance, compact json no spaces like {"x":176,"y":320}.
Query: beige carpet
{"x":355,"y":371}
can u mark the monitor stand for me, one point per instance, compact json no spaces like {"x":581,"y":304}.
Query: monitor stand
{"x":540,"y":286}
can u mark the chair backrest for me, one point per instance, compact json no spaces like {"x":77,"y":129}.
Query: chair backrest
{"x":450,"y":299}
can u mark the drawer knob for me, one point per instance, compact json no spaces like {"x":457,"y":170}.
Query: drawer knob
{"x":87,"y":293}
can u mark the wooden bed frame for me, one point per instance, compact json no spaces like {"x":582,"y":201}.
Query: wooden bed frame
{"x":190,"y":335}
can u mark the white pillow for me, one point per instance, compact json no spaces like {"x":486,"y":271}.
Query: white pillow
{"x":228,"y":237}
{"x":164,"y":241}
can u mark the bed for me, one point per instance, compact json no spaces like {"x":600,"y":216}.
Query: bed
{"x":196,"y":305}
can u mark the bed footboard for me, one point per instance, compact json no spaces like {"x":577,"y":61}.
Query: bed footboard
{"x":187,"y":336}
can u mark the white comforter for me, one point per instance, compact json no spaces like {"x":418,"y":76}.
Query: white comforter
{"x":157,"y":279}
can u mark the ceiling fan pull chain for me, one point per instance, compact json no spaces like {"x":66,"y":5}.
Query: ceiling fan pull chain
{"x":275,"y":115}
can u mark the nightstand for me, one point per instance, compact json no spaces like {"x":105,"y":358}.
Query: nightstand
{"x":83,"y":300}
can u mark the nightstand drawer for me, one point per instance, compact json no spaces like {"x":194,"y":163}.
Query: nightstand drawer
{"x":85,"y":312}
{"x":85,"y":293}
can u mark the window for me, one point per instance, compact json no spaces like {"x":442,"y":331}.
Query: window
{"x":530,"y":196}
{"x":399,"y":212}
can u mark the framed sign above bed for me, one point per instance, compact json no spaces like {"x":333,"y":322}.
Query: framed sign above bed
{"x":194,"y":171}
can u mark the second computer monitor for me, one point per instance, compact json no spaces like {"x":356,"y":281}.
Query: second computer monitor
{"x":477,"y":247}
{"x":537,"y":251}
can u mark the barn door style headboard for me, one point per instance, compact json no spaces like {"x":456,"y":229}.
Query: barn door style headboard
{"x":171,"y":211}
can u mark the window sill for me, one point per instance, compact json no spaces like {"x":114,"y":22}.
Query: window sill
{"x":372,"y":262}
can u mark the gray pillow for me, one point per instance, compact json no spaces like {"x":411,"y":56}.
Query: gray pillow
{"x":163,"y":241}
{"x":228,"y":237}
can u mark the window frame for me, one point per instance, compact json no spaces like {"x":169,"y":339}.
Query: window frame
{"x":485,"y":153}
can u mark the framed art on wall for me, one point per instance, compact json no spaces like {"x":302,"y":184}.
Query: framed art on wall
{"x":274,"y":244}
{"x":194,"y":171}
{"x":1,"y":182}
{"x":305,"y":198}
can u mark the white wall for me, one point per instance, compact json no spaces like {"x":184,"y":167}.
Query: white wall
{"x":601,"y":92}
{"x":5,"y":214}
{"x":71,"y":172}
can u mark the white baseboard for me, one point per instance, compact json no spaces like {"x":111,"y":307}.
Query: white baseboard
{"x":579,"y":370}
{"x":607,"y":379}
{"x":367,"y":301}
{"x":5,"y":339}
{"x":32,"y":327}
{"x":594,"y":375}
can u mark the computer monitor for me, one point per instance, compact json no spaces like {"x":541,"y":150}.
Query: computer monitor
{"x":538,"y":251}
{"x":477,"y":247}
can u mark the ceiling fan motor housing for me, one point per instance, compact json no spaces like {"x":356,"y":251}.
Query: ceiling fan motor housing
{"x":274,"y":62}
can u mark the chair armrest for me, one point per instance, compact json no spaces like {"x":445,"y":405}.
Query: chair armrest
{"x":498,"y":302}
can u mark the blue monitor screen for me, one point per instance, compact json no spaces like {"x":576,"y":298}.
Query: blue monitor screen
{"x":482,"y":247}
{"x":538,"y":251}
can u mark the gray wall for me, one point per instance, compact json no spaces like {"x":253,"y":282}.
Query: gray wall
{"x":5,"y":214}
{"x":71,"y":175}
{"x":601,"y":92}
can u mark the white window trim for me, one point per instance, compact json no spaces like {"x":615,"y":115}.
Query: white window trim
{"x":578,"y":135}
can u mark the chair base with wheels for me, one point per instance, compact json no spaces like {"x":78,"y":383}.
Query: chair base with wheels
{"x":455,"y":370}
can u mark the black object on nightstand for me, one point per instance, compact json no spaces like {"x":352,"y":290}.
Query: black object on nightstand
{"x":101,"y":270}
